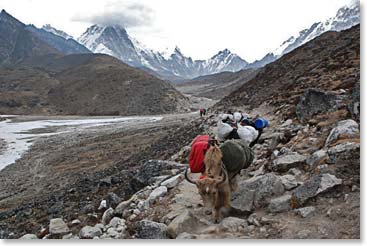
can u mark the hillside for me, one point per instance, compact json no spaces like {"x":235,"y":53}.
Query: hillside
{"x":216,"y":86}
{"x":17,"y":43}
{"x":84,"y":84}
{"x":329,"y":62}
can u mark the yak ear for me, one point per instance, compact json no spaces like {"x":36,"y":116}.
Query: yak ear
{"x":187,"y":176}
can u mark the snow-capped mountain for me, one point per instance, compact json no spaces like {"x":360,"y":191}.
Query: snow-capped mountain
{"x":115,"y":41}
{"x":345,"y":18}
{"x":57,"y":32}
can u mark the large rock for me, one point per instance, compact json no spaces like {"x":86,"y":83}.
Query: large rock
{"x":185,"y":222}
{"x":280,"y":204}
{"x":344,"y":151}
{"x":172,"y":182}
{"x":58,"y":227}
{"x":354,"y":106}
{"x":147,"y":229}
{"x":154,"y":168}
{"x":89,"y":232}
{"x":157,"y":193}
{"x":314,"y":102}
{"x":256,"y":192}
{"x":288,"y":161}
{"x":344,"y":129}
{"x":316,"y":185}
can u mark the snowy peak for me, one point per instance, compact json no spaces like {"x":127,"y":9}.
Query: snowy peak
{"x":51,"y":29}
{"x":345,"y":18}
{"x":115,"y":41}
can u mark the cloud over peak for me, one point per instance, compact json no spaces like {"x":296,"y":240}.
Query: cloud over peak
{"x":120,"y":13}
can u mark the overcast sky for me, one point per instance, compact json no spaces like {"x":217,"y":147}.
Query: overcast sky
{"x":200,"y":28}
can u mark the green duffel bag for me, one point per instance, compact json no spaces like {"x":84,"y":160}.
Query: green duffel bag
{"x":237,"y":155}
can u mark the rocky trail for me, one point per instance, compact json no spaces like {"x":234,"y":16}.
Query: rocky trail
{"x":304,"y":183}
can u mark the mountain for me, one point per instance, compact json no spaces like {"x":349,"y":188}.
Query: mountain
{"x":115,"y":41}
{"x":334,"y":67}
{"x":65,"y":46}
{"x":345,"y":18}
{"x":57,"y":32}
{"x":84,"y":84}
{"x":216,"y":86}
{"x":17,"y":42}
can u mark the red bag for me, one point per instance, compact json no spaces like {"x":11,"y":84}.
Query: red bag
{"x":198,"y":148}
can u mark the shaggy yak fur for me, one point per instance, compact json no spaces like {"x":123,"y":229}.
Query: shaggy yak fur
{"x":215,"y":192}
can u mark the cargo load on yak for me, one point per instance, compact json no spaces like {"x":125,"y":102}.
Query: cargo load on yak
{"x":199,"y":147}
{"x":237,"y":155}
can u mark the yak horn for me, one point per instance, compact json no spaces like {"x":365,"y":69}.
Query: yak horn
{"x":187,"y":176}
{"x":223,"y":179}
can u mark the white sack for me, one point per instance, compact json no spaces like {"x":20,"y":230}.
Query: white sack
{"x":223,"y":130}
{"x":237,"y":116}
{"x":247,"y":133}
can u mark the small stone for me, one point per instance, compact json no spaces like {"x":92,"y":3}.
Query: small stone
{"x":89,"y":208}
{"x":233,"y":224}
{"x":280,"y":204}
{"x":296,"y":172}
{"x":89,"y":232}
{"x":354,"y":188}
{"x":305,"y":211}
{"x":29,"y":237}
{"x":112,"y":199}
{"x":317,"y":158}
{"x":289,"y":181}
{"x":58,"y":227}
{"x":68,"y":236}
{"x":76,"y":222}
{"x":102,"y":205}
{"x":132,"y":217}
{"x":172,"y":182}
{"x":252,"y":219}
{"x":117,"y":222}
{"x":157,"y":193}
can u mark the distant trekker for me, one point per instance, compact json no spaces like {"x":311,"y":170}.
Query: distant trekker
{"x":202,"y":112}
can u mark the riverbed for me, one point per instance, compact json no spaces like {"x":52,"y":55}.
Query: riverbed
{"x":17,"y":133}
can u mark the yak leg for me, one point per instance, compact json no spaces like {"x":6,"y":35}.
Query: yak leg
{"x":216,"y":215}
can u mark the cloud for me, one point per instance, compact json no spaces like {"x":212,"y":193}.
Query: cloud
{"x":118,"y":13}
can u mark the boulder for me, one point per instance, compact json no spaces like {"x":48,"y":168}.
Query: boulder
{"x":313,"y":102}
{"x":280,"y":204}
{"x":316,"y":185}
{"x":157,"y":193}
{"x":288,"y":161}
{"x":316,"y":158}
{"x":107,"y":216}
{"x":172,"y":182}
{"x":289,"y":181}
{"x":119,"y":210}
{"x":89,"y":232}
{"x":256,"y":192}
{"x":147,"y":229}
{"x":344,"y":151}
{"x":233,"y":224}
{"x":185,"y":222}
{"x":305,"y":211}
{"x":29,"y":237}
{"x":58,"y":227}
{"x":345,"y":129}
